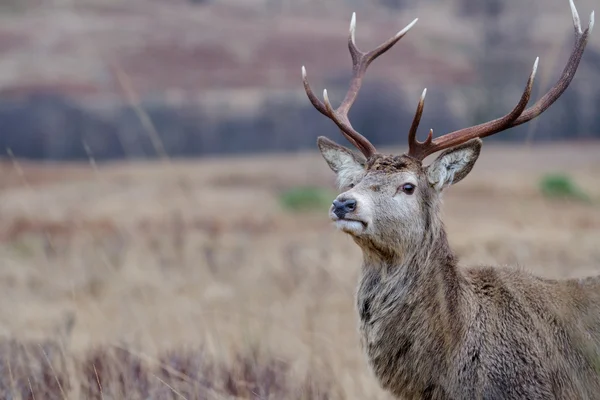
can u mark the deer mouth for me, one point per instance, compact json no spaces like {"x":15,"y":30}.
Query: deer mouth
{"x":351,"y":226}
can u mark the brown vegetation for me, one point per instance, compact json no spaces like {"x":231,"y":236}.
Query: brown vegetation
{"x":207,"y":274}
{"x":43,"y":371}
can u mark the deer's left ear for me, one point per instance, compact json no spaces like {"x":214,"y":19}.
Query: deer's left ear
{"x":454,"y":164}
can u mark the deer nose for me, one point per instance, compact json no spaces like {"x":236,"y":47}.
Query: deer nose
{"x":343,"y":207}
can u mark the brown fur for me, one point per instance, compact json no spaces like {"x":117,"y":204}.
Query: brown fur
{"x":433,"y":330}
{"x":391,"y":163}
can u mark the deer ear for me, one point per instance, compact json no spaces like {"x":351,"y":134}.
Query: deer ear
{"x":348,"y":165}
{"x":454,"y":164}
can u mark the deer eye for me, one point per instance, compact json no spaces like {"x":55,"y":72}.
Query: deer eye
{"x":351,"y":185}
{"x":408,"y":188}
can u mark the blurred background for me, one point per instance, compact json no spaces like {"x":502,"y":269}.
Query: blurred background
{"x":163,"y":206}
{"x":223,"y":76}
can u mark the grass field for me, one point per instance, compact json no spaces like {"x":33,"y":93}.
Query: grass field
{"x":187,"y":279}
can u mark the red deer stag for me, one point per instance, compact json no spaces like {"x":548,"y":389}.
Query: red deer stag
{"x":432,"y":330}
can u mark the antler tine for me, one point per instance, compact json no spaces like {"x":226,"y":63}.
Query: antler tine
{"x":360,"y":62}
{"x":311,"y":96}
{"x":414,"y":146}
{"x":581,"y":39}
{"x":520,"y":114}
{"x":373,"y":54}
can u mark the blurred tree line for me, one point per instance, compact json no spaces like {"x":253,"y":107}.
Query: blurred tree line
{"x":53,"y":128}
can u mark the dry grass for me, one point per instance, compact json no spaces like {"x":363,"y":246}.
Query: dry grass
{"x":188,"y":279}
{"x":42,"y":370}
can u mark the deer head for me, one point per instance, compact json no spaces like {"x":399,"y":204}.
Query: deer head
{"x":390,"y":201}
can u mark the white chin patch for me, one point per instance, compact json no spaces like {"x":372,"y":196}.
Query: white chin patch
{"x":351,"y":227}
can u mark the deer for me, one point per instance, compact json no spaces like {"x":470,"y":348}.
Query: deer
{"x":429,"y":327}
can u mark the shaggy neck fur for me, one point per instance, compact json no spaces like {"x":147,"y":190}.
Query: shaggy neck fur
{"x":409,"y":303}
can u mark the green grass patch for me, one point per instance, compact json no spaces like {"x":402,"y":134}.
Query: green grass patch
{"x":560,"y":186}
{"x":308,"y":198}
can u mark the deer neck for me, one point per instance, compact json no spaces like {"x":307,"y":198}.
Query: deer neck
{"x":428,"y":254}
{"x":421,"y":268}
{"x":409,"y":304}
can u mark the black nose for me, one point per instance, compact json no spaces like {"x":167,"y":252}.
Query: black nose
{"x":343,"y":207}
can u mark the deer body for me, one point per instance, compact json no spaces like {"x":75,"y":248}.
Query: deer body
{"x":434,"y":330}
{"x":431,"y":329}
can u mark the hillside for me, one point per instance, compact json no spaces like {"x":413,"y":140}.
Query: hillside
{"x":182,"y":50}
{"x":218,"y":77}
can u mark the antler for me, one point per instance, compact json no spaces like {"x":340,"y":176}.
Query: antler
{"x":517,"y":116}
{"x":360,"y":62}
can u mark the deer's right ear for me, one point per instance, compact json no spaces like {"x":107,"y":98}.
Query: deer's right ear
{"x":348,"y":165}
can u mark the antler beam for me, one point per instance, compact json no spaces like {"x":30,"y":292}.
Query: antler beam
{"x":360,"y":62}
